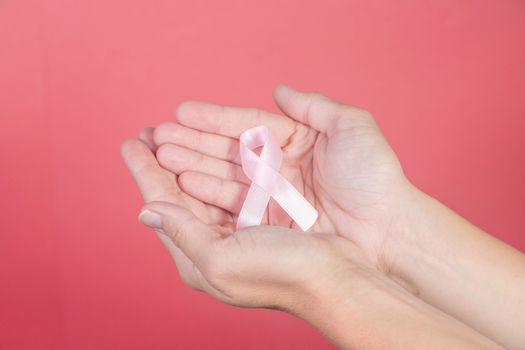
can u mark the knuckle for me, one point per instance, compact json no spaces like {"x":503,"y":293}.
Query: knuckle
{"x":162,"y":152}
{"x":177,"y":234}
{"x":161,"y":131}
{"x":318,"y":97}
{"x":358,"y":116}
{"x":357,"y":112}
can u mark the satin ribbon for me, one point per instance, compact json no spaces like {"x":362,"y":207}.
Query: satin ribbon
{"x":263,"y":171}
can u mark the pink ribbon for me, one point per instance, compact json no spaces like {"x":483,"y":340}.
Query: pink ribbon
{"x":263,"y":171}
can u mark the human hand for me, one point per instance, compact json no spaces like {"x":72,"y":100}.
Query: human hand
{"x":334,"y":154}
{"x":321,"y":278}
{"x":263,"y":266}
{"x":259,"y":266}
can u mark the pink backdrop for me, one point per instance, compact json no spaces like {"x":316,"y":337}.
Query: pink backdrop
{"x":445,"y":79}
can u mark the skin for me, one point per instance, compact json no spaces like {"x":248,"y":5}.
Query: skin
{"x":378,"y":238}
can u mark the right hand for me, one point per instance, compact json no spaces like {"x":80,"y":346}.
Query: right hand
{"x":333,"y":153}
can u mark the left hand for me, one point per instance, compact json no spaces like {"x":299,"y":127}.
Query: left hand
{"x":260,"y":266}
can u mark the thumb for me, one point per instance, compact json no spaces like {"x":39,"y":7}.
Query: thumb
{"x":313,"y":109}
{"x":187,"y":232}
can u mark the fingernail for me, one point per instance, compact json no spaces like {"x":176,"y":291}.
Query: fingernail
{"x":150,"y":219}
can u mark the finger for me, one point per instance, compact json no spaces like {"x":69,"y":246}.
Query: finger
{"x":213,"y":145}
{"x":232,"y":121}
{"x":153,"y":181}
{"x":225,"y":194}
{"x":158,"y":184}
{"x":146,"y":136}
{"x":313,"y":109}
{"x":179,"y":159}
{"x":192,"y":236}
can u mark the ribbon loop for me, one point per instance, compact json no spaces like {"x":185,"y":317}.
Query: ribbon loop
{"x":263,"y":171}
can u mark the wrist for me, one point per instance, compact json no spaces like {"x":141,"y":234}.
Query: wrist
{"x":337,"y":302}
{"x":409,"y":240}
{"x":363,"y":309}
{"x":427,"y":243}
{"x":355,"y":305}
{"x":458,"y":268}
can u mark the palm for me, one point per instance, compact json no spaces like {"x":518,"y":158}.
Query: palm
{"x":349,"y":177}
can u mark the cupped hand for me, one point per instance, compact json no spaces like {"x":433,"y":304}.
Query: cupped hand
{"x":262,"y":266}
{"x":259,"y":266}
{"x":333,"y":153}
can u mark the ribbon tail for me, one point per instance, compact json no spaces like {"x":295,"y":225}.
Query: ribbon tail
{"x":253,"y":208}
{"x":295,"y":205}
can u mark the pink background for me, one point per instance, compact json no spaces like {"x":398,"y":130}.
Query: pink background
{"x":445,"y":79}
